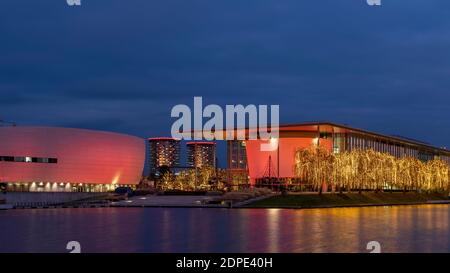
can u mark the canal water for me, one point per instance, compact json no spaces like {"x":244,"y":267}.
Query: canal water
{"x":398,"y":229}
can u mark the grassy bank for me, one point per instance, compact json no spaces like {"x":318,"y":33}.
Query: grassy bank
{"x":346,"y":199}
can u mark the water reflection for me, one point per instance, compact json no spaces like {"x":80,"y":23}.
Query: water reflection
{"x":398,"y":229}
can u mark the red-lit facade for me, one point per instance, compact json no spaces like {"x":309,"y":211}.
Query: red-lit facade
{"x":63,"y":159}
{"x":279,"y":163}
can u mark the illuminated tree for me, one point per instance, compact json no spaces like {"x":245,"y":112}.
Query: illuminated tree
{"x":204,"y":178}
{"x":369,"y":170}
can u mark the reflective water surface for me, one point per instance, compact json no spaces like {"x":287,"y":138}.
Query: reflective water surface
{"x":397,"y":229}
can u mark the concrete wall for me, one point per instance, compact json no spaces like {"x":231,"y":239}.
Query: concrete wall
{"x":17,"y":198}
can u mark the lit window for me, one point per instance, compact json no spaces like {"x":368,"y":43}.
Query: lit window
{"x":28,"y":159}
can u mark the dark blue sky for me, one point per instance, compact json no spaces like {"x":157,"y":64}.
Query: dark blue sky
{"x":121,"y":65}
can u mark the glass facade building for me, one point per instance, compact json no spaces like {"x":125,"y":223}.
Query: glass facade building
{"x":163,"y":151}
{"x":201,"y":154}
{"x":247,"y":155}
{"x":237,"y":168}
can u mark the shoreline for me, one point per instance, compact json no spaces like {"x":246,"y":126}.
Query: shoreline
{"x":269,"y":201}
{"x":439,"y":202}
{"x":443,"y":202}
{"x":347,"y":200}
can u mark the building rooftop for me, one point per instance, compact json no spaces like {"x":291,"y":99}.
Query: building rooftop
{"x":331,"y":127}
{"x":201,"y":143}
{"x":340,"y":128}
{"x":163,"y":138}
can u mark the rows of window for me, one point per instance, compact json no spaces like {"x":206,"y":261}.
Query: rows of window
{"x":446,"y":159}
{"x":163,"y":153}
{"x":237,"y":155}
{"x":349,"y":142}
{"x":29,"y":159}
{"x":201,"y":155}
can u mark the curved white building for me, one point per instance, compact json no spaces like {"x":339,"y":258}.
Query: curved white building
{"x":64,"y":159}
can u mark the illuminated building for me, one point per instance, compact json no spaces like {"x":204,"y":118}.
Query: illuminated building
{"x":201,"y":154}
{"x":237,"y":169}
{"x":47,"y":159}
{"x":279,"y":163}
{"x":163,"y":152}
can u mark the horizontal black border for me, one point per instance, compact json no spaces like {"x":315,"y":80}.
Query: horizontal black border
{"x":168,"y":262}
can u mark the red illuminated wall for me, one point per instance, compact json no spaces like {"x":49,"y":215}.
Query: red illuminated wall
{"x":84,"y":156}
{"x":258,"y":160}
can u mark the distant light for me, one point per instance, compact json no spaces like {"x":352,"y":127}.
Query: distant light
{"x":143,"y":198}
{"x":115,"y":180}
{"x":273,"y":143}
{"x":315,"y":141}
{"x":129,"y":201}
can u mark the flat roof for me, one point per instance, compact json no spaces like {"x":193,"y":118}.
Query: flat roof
{"x":326,"y":126}
{"x":314,"y":126}
{"x":201,"y":143}
{"x":163,"y":138}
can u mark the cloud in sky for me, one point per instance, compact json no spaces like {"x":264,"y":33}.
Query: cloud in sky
{"x":121,"y":65}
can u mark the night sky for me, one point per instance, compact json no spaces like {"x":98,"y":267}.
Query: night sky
{"x":121,"y":65}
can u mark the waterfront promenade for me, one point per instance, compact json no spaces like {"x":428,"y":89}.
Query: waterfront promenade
{"x":194,"y":201}
{"x":93,"y":200}
{"x":44,"y":199}
{"x":244,"y":199}
{"x":166,"y":201}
